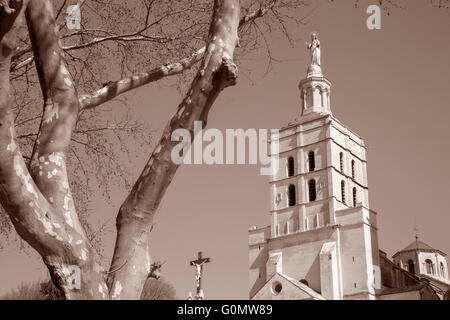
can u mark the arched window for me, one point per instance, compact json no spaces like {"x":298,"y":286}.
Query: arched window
{"x":309,"y":97}
{"x":441,"y":266}
{"x":290,"y":167}
{"x":411,"y":266}
{"x":429,"y":266}
{"x":341,"y":161}
{"x":353,"y":169}
{"x":312,"y":190}
{"x":355,"y":197}
{"x":311,"y":161}
{"x":318,"y":96}
{"x":291,"y":195}
{"x":343,"y":191}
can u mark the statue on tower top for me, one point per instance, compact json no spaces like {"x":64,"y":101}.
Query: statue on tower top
{"x":314,"y":69}
{"x":314,"y":46}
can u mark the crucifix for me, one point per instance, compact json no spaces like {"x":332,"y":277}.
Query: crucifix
{"x":198,"y":264}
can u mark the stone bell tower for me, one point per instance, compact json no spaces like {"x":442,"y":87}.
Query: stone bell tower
{"x":322,"y":237}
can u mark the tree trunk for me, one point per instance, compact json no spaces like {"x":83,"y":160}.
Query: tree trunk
{"x":131,"y":261}
{"x":40,"y":206}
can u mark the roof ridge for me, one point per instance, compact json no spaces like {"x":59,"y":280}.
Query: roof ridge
{"x":418,"y":245}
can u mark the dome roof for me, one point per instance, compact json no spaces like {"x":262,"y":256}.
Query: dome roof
{"x":418,"y":245}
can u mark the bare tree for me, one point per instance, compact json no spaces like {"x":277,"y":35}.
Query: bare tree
{"x":34,"y":174}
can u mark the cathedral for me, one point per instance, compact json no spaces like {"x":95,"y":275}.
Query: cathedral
{"x":322,"y":241}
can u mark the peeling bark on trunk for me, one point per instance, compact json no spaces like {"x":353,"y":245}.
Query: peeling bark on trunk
{"x":37,"y":205}
{"x":38,"y":199}
{"x":131,"y":261}
{"x":48,"y":165}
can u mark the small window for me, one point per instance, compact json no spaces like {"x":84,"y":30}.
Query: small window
{"x":311,"y":161}
{"x":441,"y":266}
{"x":341,"y":161}
{"x":429,"y":266}
{"x":291,"y":167}
{"x":292,"y":195}
{"x":304,"y":281}
{"x":411,"y":266}
{"x":312,"y":190}
{"x":355,"y":197}
{"x":343,"y":192}
{"x":353,"y":169}
{"x":277,"y":287}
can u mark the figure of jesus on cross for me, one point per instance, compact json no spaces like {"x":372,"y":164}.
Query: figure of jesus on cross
{"x":198,"y":264}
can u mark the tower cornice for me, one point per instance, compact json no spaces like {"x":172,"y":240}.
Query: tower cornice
{"x":313,"y":79}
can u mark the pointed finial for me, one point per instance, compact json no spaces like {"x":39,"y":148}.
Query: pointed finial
{"x":416,"y":229}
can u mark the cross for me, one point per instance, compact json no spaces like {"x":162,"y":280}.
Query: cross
{"x":416,"y":229}
{"x":199,"y":265}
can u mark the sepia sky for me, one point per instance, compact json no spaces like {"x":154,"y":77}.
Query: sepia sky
{"x":391,"y":86}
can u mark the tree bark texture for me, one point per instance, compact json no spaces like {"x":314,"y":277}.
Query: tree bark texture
{"x":38,"y":198}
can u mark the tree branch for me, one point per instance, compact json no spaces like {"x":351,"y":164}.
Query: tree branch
{"x":33,"y":216}
{"x":115,"y":88}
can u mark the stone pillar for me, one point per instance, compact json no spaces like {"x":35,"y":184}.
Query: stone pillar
{"x":274,"y":224}
{"x":324,"y":99}
{"x":329,"y":281}
{"x":304,"y":99}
